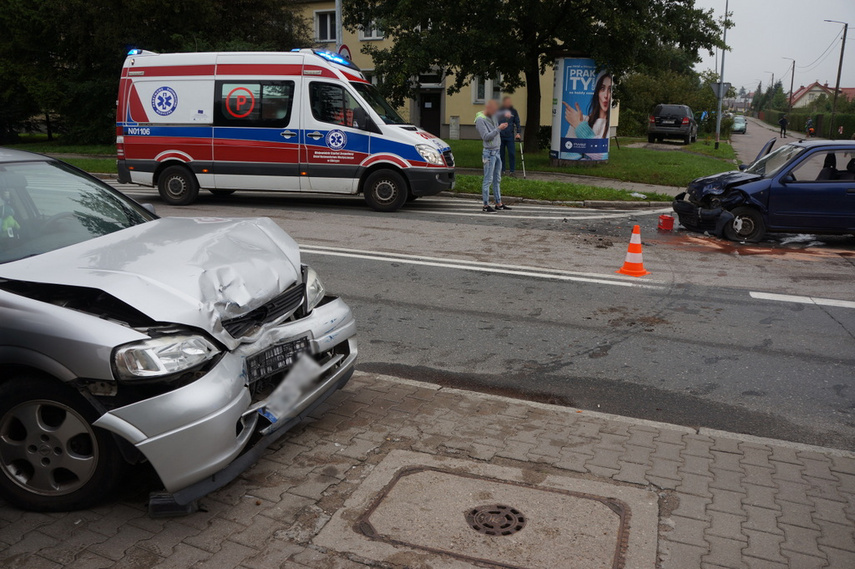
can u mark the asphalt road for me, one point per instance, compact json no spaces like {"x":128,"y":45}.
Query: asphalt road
{"x":757,"y":339}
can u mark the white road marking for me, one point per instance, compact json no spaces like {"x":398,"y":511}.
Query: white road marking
{"x":455,"y":206}
{"x":512,"y":216}
{"x":802,"y":299}
{"x":515,"y":270}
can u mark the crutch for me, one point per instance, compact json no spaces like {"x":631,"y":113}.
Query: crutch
{"x":522,"y":157}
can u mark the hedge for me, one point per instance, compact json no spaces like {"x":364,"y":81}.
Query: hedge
{"x":798,"y":119}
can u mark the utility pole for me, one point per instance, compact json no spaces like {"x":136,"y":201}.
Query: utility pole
{"x":338,"y":31}
{"x":792,"y":79}
{"x":831,"y":133}
{"x":721,"y":78}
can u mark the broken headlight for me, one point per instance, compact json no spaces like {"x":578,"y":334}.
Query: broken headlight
{"x":162,"y":356}
{"x":315,"y":290}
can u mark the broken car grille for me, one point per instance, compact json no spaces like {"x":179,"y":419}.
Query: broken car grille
{"x":449,"y":158}
{"x":286,"y":302}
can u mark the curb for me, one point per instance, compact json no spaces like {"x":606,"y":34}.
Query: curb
{"x":602,"y":204}
{"x":616,"y":418}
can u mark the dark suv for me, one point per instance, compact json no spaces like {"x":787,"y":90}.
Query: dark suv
{"x":672,"y":121}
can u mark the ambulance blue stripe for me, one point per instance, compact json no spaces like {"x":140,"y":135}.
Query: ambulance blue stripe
{"x":356,"y":142}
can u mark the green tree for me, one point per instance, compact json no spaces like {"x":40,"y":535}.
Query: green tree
{"x":67,"y":54}
{"x":641,"y":91}
{"x":519,"y":39}
{"x":777,"y":99}
{"x":757,"y":101}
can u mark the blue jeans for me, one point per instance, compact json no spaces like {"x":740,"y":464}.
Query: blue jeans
{"x":492,"y":175}
{"x":509,"y":144}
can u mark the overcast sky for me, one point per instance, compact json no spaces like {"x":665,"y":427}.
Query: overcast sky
{"x":766,"y":31}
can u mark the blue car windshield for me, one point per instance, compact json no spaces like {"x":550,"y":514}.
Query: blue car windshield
{"x":772,"y":163}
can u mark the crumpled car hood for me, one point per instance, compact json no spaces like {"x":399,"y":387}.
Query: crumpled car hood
{"x":191,"y":271}
{"x":718,"y":183}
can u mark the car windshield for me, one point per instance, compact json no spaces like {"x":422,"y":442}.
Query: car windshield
{"x":770,"y":164}
{"x":45,"y":206}
{"x":373,"y":97}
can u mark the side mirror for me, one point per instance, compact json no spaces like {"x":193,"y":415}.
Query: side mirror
{"x":787,"y":179}
{"x":743,"y":167}
{"x":149,"y":208}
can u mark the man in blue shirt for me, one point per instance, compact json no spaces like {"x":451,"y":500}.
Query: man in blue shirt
{"x":508,"y":115}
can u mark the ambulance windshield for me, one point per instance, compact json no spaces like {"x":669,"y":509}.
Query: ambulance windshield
{"x":373,"y":97}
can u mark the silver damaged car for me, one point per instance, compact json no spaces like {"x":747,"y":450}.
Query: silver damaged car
{"x":188,"y":343}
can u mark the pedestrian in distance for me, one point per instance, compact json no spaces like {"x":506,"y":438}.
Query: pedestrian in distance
{"x":809,"y":127}
{"x":509,"y":137}
{"x":490,"y":133}
{"x":784,"y":124}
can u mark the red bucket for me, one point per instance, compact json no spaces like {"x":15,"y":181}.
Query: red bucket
{"x":666,"y":223}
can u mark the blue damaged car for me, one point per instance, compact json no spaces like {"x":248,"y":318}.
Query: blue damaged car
{"x":802,"y":187}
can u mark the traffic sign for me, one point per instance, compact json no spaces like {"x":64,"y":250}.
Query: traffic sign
{"x":720,"y":89}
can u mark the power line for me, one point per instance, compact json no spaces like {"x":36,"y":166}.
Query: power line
{"x":822,"y":56}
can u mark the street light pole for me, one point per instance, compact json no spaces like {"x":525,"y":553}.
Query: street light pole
{"x":792,"y":79}
{"x":338,"y":26}
{"x":721,"y":78}
{"x":839,"y":71}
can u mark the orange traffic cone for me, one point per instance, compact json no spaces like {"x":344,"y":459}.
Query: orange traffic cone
{"x":634,"y":264}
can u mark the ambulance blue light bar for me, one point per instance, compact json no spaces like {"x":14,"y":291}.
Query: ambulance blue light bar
{"x":135,"y":51}
{"x":336,"y":58}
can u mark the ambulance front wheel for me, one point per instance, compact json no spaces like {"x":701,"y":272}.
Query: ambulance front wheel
{"x":385,"y":190}
{"x":178,"y":186}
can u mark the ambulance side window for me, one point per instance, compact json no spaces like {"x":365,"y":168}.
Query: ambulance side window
{"x":254,"y":103}
{"x":332,"y":103}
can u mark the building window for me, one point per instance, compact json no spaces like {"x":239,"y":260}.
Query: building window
{"x":325,"y":26}
{"x":482,"y":88}
{"x":371,"y":76}
{"x":496,"y":87}
{"x":371,"y":32}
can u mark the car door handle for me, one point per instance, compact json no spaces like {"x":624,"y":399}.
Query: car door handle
{"x":288,"y":134}
{"x":851,"y":191}
{"x":315,"y":135}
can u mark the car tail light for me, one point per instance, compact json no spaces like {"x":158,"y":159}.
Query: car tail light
{"x":685,"y":121}
{"x":120,"y":147}
{"x":651,"y":119}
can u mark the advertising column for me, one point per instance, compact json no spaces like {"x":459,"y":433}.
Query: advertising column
{"x":581,"y":105}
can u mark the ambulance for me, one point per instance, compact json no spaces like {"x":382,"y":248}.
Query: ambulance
{"x":301,"y":121}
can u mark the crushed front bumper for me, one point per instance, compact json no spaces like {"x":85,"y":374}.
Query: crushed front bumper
{"x":696,"y":218}
{"x":198,"y":437}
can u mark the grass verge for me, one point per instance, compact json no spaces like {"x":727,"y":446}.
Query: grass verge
{"x":40,"y":144}
{"x":640,"y":165}
{"x":706,"y":146}
{"x":95,"y":165}
{"x":553,"y":191}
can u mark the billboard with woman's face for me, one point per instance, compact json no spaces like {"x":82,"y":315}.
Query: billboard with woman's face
{"x":581,"y":105}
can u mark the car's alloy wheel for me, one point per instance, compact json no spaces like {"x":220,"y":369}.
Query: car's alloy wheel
{"x":47,"y":448}
{"x":52,"y":458}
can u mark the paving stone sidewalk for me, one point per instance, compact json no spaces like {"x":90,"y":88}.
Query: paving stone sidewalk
{"x":725,"y":501}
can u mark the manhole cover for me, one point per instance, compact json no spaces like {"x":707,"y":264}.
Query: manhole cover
{"x":495,"y":520}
